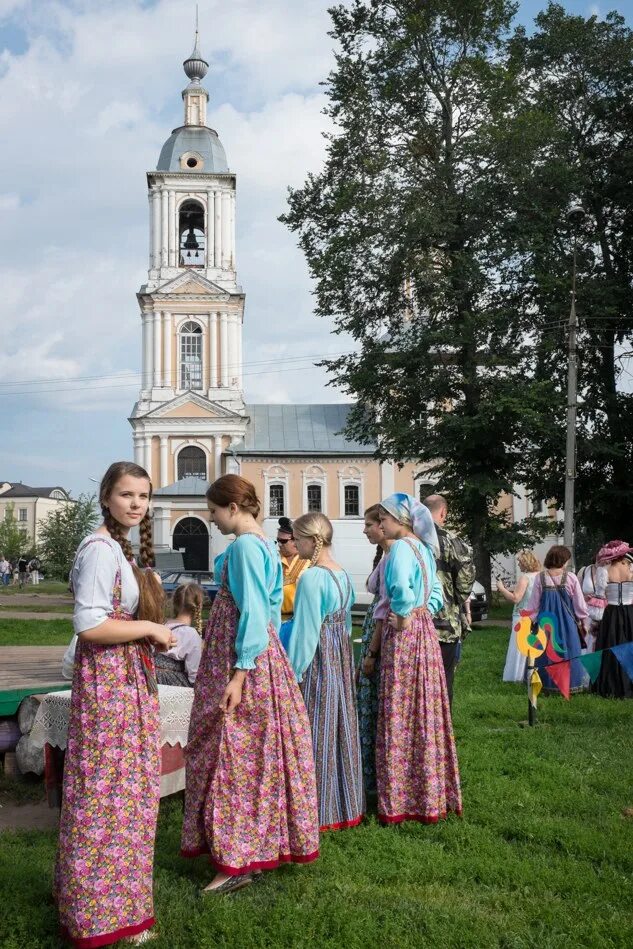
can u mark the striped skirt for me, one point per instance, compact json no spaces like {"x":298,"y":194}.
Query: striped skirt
{"x":330,"y":697}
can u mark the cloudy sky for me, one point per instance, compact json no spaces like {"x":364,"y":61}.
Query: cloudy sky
{"x":89,"y":91}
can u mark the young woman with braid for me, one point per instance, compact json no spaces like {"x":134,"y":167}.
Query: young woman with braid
{"x":368,"y":672}
{"x":250,"y":801}
{"x":103,"y":875}
{"x":179,"y":665}
{"x":320,"y":651}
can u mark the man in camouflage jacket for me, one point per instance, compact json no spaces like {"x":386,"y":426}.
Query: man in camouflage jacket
{"x":456,"y":570}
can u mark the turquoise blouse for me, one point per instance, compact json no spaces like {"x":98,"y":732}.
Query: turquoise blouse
{"x":255,"y":580}
{"x":403,"y":578}
{"x":317,"y":596}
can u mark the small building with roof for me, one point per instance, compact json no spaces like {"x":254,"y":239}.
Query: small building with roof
{"x":31,"y":506}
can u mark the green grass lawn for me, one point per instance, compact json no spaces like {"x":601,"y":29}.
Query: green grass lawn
{"x":46,"y":588}
{"x":35,"y":632}
{"x":543,"y":856}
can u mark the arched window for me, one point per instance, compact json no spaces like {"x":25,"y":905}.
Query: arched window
{"x":190,"y":356}
{"x":276,"y":500}
{"x":191,"y":234}
{"x":352,"y":500}
{"x":191,"y":536}
{"x":192,"y":463}
{"x":314,"y":498}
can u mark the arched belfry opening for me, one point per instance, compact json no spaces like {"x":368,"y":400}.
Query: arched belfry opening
{"x":191,"y":234}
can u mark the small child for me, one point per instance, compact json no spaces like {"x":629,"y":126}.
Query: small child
{"x":179,"y":665}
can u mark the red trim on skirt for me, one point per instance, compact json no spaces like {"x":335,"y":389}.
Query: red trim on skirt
{"x":421,"y":818}
{"x":255,"y":865}
{"x":343,"y":825}
{"x":93,"y":942}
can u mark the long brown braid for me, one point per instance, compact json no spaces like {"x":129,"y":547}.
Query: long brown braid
{"x":189,"y":598}
{"x":151,"y":600}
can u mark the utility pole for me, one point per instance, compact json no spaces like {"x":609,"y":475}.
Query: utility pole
{"x":575,"y":216}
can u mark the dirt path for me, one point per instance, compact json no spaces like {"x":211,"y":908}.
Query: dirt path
{"x":32,"y":599}
{"x":28,"y":816}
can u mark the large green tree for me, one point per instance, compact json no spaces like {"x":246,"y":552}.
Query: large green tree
{"x":410,"y":232}
{"x":577,"y":81}
{"x":14,"y":540}
{"x":62,"y":531}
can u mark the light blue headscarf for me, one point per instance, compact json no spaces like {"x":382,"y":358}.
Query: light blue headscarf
{"x":415,"y":515}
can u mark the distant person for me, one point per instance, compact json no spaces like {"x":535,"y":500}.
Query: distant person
{"x":34,"y":570}
{"x":593,"y":582}
{"x":529,"y":565}
{"x":293,"y":566}
{"x":456,"y":571}
{"x":5,"y":571}
{"x":556,"y":592}
{"x":23,"y":566}
{"x":179,"y":665}
{"x":616,"y":626}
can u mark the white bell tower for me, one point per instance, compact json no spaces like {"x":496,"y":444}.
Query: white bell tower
{"x":190,"y":409}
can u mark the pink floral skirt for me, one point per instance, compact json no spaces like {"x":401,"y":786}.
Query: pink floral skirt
{"x":417,"y":775}
{"x":250,"y":799}
{"x":103,"y":874}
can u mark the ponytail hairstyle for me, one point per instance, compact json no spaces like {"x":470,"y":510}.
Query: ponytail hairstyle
{"x":317,"y":526}
{"x":233,"y":489}
{"x":151,"y":597}
{"x":189,"y":598}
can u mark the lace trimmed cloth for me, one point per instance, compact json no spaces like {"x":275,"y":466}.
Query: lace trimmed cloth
{"x":51,"y":722}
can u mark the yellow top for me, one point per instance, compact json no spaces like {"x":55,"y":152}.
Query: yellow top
{"x":292,"y":571}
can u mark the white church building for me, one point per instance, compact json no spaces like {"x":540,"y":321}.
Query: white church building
{"x":191,"y":423}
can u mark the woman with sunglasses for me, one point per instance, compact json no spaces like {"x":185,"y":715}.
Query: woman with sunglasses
{"x":292,"y":564}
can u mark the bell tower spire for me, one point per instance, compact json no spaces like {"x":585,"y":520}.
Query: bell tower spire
{"x":195,"y":96}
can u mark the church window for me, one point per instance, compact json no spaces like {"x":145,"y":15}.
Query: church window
{"x":314,"y":498}
{"x":352,"y":500}
{"x":425,"y":488}
{"x":192,"y":463}
{"x":191,"y":232}
{"x":23,"y":513}
{"x":192,"y":162}
{"x":191,"y":356}
{"x":276,"y":499}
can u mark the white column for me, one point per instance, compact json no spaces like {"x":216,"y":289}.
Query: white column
{"x":147,"y":454}
{"x":213,"y":350}
{"x":163,"y":461}
{"x":232,"y":362}
{"x":147,"y":363}
{"x":164,"y":220}
{"x":232,"y":233}
{"x":217,"y":235}
{"x":239,"y":350}
{"x":224,"y":348}
{"x":218,"y":456}
{"x":171,"y":243}
{"x":157,"y":360}
{"x":387,"y":479}
{"x":138,"y":449}
{"x":150,"y":216}
{"x":156,"y":228}
{"x":226,"y":221}
{"x":167,"y":370}
{"x":210,"y":229}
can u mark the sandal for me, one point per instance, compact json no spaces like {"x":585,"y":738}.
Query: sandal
{"x":141,"y":938}
{"x":231,"y":885}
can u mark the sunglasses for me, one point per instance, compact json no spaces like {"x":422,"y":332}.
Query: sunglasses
{"x":287,"y":541}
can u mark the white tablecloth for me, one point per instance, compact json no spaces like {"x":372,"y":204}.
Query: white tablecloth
{"x":51,"y":721}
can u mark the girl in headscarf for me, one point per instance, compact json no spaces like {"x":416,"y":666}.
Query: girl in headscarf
{"x":416,"y":763}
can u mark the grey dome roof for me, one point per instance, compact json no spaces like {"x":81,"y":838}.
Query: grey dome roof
{"x":193,"y":138}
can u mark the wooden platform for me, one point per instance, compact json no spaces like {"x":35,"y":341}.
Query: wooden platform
{"x":28,"y":670}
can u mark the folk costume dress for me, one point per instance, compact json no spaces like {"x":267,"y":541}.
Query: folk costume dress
{"x":179,"y":665}
{"x":369,"y":686}
{"x":558,"y":600}
{"x":320,"y":651}
{"x":516,"y":662}
{"x":103,"y":874}
{"x":250,"y":800}
{"x":616,"y":628}
{"x":416,"y":762}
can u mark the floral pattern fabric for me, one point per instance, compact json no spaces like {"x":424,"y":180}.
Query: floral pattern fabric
{"x":416,"y":761}
{"x":250,"y":800}
{"x":103,"y":873}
